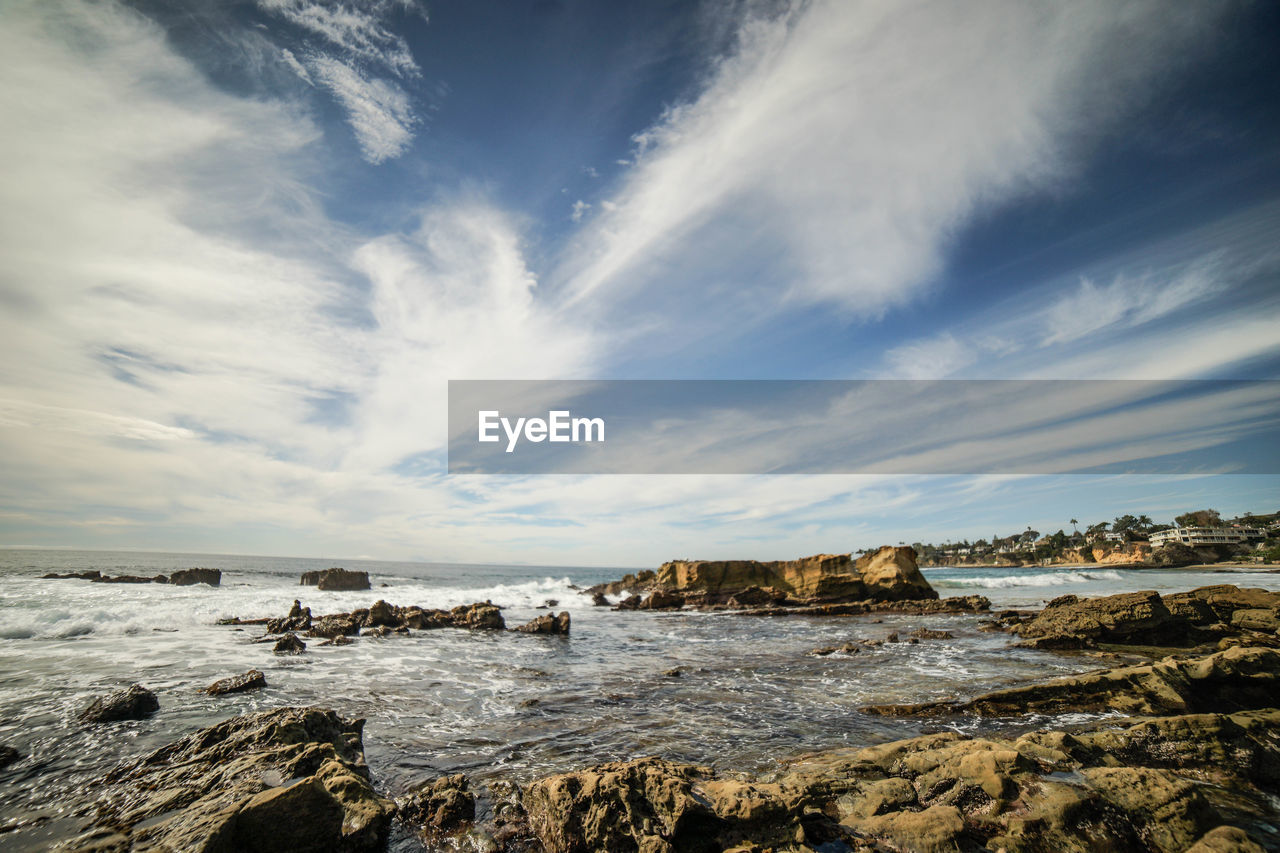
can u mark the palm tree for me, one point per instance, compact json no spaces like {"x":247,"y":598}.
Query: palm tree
{"x":1145,"y":522}
{"x":1074,"y":522}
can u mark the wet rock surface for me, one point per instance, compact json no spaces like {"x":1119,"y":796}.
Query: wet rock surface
{"x":1163,"y":784}
{"x":251,"y":680}
{"x":8,"y":755}
{"x":441,"y":805}
{"x":133,"y":703}
{"x":289,"y":644}
{"x":1236,"y":679}
{"x":336,"y":579}
{"x":188,"y":577}
{"x":293,"y":779}
{"x":547,"y":624}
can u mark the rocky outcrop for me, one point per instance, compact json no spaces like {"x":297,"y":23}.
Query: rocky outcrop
{"x":1138,"y":788}
{"x":8,"y":755}
{"x":441,"y":805}
{"x":888,"y":574}
{"x":298,"y":619}
{"x":336,"y":579}
{"x":251,"y":680}
{"x":482,"y":615}
{"x":133,"y":703}
{"x":1146,"y":618}
{"x":657,"y":805}
{"x":1236,"y":679}
{"x":548,"y":624}
{"x":187,"y":577}
{"x":292,"y":779}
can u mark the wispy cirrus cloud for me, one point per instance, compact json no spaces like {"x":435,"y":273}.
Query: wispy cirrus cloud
{"x":361,"y":62}
{"x":379,"y":112}
{"x":358,"y":31}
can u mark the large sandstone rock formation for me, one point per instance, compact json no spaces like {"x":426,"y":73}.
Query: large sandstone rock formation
{"x":888,"y":574}
{"x":293,"y":779}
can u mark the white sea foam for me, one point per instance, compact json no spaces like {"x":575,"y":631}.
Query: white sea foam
{"x":1044,"y":579}
{"x":64,"y":609}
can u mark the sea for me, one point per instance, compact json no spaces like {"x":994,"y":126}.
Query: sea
{"x":735,"y":692}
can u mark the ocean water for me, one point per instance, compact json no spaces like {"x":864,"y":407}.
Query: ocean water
{"x":491,"y":704}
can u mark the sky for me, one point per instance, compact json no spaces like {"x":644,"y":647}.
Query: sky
{"x":244,"y":246}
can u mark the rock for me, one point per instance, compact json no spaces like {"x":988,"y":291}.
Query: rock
{"x":8,"y":755}
{"x":336,"y":579}
{"x":550,"y":602}
{"x":655,"y":805}
{"x":846,"y":649}
{"x":292,"y":779}
{"x":251,"y":680}
{"x":299,"y":619}
{"x":890,"y":574}
{"x":444,"y":804}
{"x":887,"y":575}
{"x":1256,"y":620}
{"x":127,"y":579}
{"x":340,"y":640}
{"x":1226,"y":839}
{"x":1237,"y":679}
{"x":548,"y":624}
{"x":754,"y":596}
{"x":332,"y":627}
{"x":631,"y":602}
{"x":80,"y":576}
{"x":598,"y":599}
{"x":187,"y":577}
{"x":134,"y":703}
{"x":930,"y":634}
{"x":660,"y":600}
{"x":1129,"y":617}
{"x":483,"y":616}
{"x":289,"y":644}
{"x":381,"y":614}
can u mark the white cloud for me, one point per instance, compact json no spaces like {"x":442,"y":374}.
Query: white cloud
{"x":380,"y":113}
{"x":295,"y":66}
{"x":358,"y":32}
{"x":929,"y":358}
{"x":847,"y":144}
{"x":1127,"y":302}
{"x":580,"y":209}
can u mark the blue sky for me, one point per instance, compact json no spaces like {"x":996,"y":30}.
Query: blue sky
{"x":243,"y":246}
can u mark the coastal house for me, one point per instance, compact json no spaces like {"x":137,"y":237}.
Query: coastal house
{"x":1194,"y":536}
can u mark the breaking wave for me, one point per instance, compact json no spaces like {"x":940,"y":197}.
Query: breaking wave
{"x":1043,"y":579}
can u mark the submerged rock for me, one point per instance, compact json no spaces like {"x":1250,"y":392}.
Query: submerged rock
{"x":1232,"y":680}
{"x":293,"y":779}
{"x":187,"y":577}
{"x":336,"y":579}
{"x":8,"y":755}
{"x":251,"y":680}
{"x":133,"y":703}
{"x":548,"y":624}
